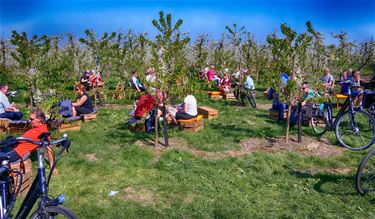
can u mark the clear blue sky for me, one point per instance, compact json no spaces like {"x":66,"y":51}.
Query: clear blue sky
{"x":356,"y":17}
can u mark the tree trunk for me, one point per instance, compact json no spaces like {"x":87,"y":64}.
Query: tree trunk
{"x":156,"y":128}
{"x":165,"y":127}
{"x":290,"y":101}
{"x":288,"y":122}
{"x":299,"y":122}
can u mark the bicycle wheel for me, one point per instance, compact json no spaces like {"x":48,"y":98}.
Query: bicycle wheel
{"x":319,"y":123}
{"x":251,"y":99}
{"x":355,"y":132}
{"x":365,"y":176}
{"x":55,"y":212}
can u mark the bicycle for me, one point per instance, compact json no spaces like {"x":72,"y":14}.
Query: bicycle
{"x":244,"y":95}
{"x":365,"y":176}
{"x":47,"y":207}
{"x":354,"y":128}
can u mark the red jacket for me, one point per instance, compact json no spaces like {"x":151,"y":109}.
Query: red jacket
{"x":145,"y":104}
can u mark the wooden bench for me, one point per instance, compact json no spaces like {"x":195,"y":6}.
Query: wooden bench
{"x":25,"y":168}
{"x":19,"y":126}
{"x":274,"y":114}
{"x":339,"y":98}
{"x":208,"y":113}
{"x":214,"y":95}
{"x":228,"y":96}
{"x":71,"y":126}
{"x":191,"y":125}
{"x":138,"y":127}
{"x":88,"y":117}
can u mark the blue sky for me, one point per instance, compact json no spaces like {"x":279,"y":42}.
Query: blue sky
{"x":51,"y":17}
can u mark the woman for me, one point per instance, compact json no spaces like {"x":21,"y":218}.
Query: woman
{"x":84,"y":103}
{"x":135,"y":83}
{"x":225,"y":83}
{"x":189,"y":109}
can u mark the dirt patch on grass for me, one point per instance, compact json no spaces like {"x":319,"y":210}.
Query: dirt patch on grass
{"x":309,"y":147}
{"x":264,"y":106}
{"x":143,"y":196}
{"x":91,"y":157}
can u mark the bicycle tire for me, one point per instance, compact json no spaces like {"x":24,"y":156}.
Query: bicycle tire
{"x":368,"y":136}
{"x":365,"y":176}
{"x":56,"y":212}
{"x":251,"y":99}
{"x":319,"y":123}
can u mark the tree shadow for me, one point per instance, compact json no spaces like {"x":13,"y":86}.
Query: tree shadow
{"x":326,"y":179}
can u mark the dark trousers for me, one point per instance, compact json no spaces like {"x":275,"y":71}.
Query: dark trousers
{"x":281,"y":107}
{"x":11,"y":115}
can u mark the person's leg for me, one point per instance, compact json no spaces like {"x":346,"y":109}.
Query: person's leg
{"x":11,"y":115}
{"x":182,"y":115}
{"x":51,"y":159}
{"x":74,"y":111}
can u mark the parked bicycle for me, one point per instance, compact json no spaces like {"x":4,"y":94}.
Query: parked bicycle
{"x":365,"y":176}
{"x":354,"y":128}
{"x":48,"y":207}
{"x":244,"y":95}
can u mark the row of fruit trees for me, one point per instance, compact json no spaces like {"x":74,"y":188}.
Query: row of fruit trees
{"x":43,"y":63}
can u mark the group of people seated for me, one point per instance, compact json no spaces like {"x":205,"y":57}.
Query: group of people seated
{"x":350,"y":83}
{"x":226,"y":83}
{"x":91,"y":79}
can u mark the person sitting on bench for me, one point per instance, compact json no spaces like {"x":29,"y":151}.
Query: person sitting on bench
{"x":7,"y":110}
{"x":24,"y":149}
{"x":188,"y":110}
{"x":84,"y":103}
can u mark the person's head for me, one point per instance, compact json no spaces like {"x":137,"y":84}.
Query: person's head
{"x":326,"y":71}
{"x":305,"y":87}
{"x":212,"y":67}
{"x":134,"y":72}
{"x":4,"y":88}
{"x":226,"y":75}
{"x":80,"y":89}
{"x":355,"y":74}
{"x":37,"y":118}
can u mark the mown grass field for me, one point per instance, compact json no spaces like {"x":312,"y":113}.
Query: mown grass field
{"x":196,"y":177}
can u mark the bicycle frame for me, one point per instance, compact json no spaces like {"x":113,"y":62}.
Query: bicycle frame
{"x":39,"y":187}
{"x":347,"y":105}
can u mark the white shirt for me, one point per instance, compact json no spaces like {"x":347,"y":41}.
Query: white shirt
{"x":4,"y":102}
{"x":150,"y":78}
{"x":191,"y":105}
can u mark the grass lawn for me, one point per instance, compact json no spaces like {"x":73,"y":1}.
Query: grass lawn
{"x":197,"y":178}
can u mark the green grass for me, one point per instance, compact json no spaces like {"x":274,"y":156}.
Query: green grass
{"x":179,"y":184}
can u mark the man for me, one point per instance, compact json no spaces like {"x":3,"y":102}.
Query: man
{"x":8,"y":110}
{"x":249,"y":83}
{"x":328,"y":80}
{"x":23,"y":150}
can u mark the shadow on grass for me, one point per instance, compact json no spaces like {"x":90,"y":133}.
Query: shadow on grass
{"x":121,"y":132}
{"x":241,"y":132}
{"x":328,"y":183}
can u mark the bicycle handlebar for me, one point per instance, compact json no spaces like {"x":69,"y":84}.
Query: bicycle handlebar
{"x":60,"y":140}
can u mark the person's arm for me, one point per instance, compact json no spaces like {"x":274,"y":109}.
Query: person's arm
{"x":81,"y":101}
{"x":185,"y":108}
{"x":135,"y":84}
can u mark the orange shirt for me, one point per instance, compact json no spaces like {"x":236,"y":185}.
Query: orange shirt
{"x":25,"y":147}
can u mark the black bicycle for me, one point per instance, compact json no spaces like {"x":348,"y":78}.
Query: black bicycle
{"x":48,"y":207}
{"x":244,"y":95}
{"x":365,"y":176}
{"x":354,"y":128}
